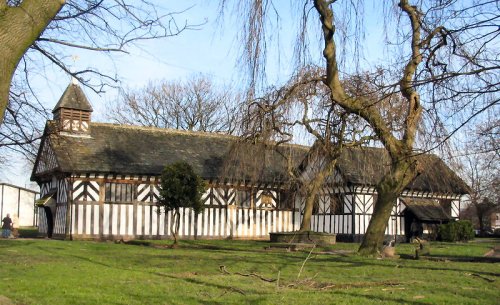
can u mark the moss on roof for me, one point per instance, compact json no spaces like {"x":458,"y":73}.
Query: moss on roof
{"x":133,"y":150}
{"x":367,"y":165}
{"x":426,"y":210}
{"x":119,"y":149}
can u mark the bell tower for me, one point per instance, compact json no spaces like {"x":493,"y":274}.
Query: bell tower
{"x":72,"y":112}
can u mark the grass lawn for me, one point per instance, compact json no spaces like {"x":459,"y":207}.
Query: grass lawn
{"x":76,"y":272}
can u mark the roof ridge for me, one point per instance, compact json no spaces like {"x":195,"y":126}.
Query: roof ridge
{"x":228,"y":136}
{"x":184,"y":132}
{"x":165,"y":130}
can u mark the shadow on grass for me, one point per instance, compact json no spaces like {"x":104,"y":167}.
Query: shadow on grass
{"x":349,"y":260}
{"x":453,"y":258}
{"x":223,"y":288}
{"x":281,"y":260}
{"x":462,"y":258}
{"x":370,"y":298}
{"x":364,"y":262}
{"x":7,"y":243}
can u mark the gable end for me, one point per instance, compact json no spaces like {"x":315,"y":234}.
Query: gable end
{"x":46,"y":159}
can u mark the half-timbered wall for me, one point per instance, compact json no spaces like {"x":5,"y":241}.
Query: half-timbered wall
{"x":333,"y":213}
{"x":455,"y":208}
{"x":355,"y":215}
{"x":42,"y":222}
{"x":144,"y":221}
{"x":111,"y":207}
{"x":61,"y":187}
{"x":364,"y":200}
{"x":45,"y":188}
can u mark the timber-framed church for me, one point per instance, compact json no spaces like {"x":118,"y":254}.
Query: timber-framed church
{"x":100,"y":181}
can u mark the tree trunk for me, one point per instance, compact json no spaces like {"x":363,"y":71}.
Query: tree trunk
{"x":480,"y":219}
{"x":19,"y":28}
{"x":311,"y":195}
{"x":388,"y":190}
{"x":174,"y":227}
{"x":312,"y":190}
{"x":375,"y":233}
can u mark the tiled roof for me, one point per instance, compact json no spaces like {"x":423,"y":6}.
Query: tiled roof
{"x":120,"y":149}
{"x":426,"y":209}
{"x":132,"y":150}
{"x":367,"y":165}
{"x":73,"y":98}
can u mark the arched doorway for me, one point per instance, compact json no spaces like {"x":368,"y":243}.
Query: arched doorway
{"x":48,"y":203}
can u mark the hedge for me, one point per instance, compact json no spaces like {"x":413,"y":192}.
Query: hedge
{"x":461,"y":230}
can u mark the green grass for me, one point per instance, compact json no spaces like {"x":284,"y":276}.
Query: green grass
{"x":76,"y":272}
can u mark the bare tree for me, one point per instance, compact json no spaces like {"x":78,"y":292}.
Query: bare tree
{"x":484,"y":180}
{"x":478,"y":164}
{"x":48,"y":28}
{"x":22,"y":127}
{"x":445,"y":68}
{"x":37,"y":34}
{"x":303,"y":106}
{"x":196,"y":104}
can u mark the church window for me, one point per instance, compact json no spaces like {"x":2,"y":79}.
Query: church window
{"x":243,"y":198}
{"x":119,"y":192}
{"x":337,"y":204}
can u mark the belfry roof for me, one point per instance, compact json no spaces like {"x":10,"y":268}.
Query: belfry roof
{"x":73,"y":98}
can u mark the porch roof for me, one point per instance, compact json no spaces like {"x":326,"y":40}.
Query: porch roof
{"x":427,"y":210}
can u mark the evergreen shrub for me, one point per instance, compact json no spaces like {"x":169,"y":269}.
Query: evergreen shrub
{"x":461,"y":230}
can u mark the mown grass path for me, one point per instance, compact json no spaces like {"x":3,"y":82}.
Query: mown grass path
{"x":77,"y":272}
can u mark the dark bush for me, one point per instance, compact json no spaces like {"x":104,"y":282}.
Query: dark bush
{"x":28,"y":232}
{"x":461,"y":230}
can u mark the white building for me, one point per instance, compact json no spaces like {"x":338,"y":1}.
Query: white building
{"x":19,"y":202}
{"x":101,"y":181}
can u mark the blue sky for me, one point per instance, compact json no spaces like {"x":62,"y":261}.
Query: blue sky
{"x":212,"y":50}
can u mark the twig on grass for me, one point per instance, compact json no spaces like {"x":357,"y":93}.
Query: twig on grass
{"x":223,"y":269}
{"x":304,"y":262}
{"x":481,"y":277}
{"x":237,"y":290}
{"x":327,"y":287}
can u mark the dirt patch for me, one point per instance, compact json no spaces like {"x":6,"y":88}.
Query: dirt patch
{"x":495,"y":252}
{"x":5,"y":300}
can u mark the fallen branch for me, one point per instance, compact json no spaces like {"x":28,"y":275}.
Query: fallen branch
{"x":237,"y":290}
{"x":223,"y":269}
{"x":325,"y":286}
{"x":481,"y":277}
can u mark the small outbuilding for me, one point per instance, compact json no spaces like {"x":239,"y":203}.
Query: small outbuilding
{"x":19,"y":202}
{"x":425,"y":215}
